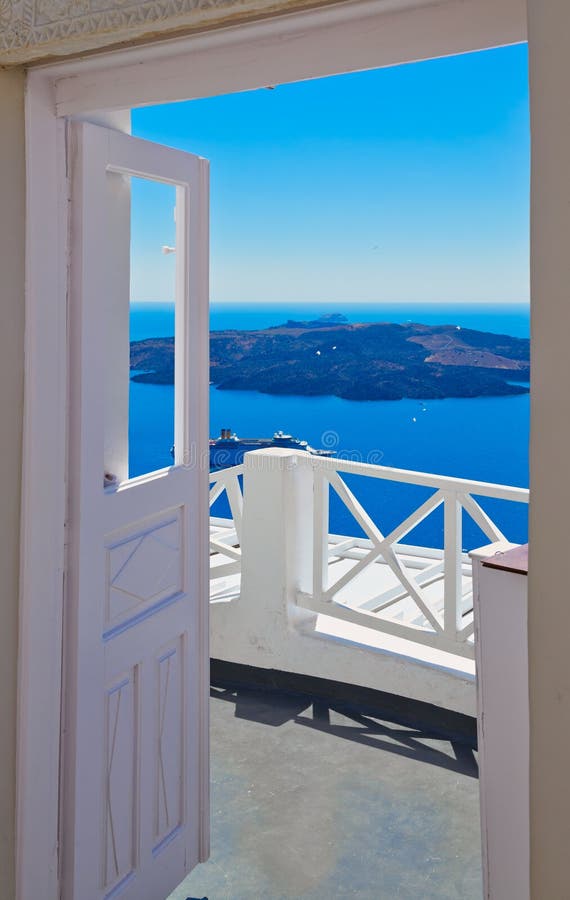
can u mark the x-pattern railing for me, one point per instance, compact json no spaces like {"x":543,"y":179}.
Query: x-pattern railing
{"x":225,"y":534}
{"x":418,"y":593}
{"x":449,"y":628}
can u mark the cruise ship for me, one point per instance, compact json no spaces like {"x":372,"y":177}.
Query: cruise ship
{"x":229,"y":449}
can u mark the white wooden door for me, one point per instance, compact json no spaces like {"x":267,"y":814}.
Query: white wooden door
{"x":135,"y":798}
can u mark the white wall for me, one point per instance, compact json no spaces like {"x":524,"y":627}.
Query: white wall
{"x":549,"y":586}
{"x":12,"y":212}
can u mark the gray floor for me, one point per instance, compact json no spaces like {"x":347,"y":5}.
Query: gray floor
{"x":312,"y":803}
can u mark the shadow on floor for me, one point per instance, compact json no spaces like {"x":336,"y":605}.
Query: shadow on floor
{"x":277,"y":708}
{"x":323,"y":793}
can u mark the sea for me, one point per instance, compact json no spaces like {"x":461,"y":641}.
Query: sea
{"x":483,"y":439}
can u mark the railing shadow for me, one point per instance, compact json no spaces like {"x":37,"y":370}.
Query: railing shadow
{"x":275,"y":708}
{"x":371,"y":731}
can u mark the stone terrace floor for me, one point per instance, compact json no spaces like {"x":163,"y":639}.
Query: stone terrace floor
{"x":315,"y":801}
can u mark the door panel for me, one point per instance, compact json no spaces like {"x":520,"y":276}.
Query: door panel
{"x":135,"y":748}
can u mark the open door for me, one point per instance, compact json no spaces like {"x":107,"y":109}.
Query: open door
{"x":135,"y":799}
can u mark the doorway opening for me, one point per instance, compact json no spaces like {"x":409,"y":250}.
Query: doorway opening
{"x":318,"y":43}
{"x":356,"y":218}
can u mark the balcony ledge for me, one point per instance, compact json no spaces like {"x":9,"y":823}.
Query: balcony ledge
{"x":359,"y":636}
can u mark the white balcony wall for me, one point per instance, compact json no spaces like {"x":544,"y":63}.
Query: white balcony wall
{"x":265,"y":624}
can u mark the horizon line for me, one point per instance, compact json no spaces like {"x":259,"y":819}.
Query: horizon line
{"x":402,"y":303}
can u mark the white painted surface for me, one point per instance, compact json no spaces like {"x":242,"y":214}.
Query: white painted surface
{"x":265,"y":622}
{"x":43,"y":525}
{"x":501,"y":624}
{"x":12,"y":261}
{"x":340,"y":37}
{"x":405,"y":602}
{"x":35,"y":29}
{"x":549,"y":606}
{"x":375,"y":593}
{"x":43,"y":495}
{"x":135,"y":768}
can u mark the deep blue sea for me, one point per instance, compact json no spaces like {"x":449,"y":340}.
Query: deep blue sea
{"x":485,"y":439}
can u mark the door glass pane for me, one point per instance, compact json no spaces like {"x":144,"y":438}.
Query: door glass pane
{"x":151,"y":326}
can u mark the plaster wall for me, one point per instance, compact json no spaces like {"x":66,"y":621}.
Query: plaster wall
{"x":12,"y":214}
{"x":33,"y":30}
{"x":549,"y":592}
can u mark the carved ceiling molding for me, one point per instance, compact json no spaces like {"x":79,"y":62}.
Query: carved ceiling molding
{"x":31,"y":30}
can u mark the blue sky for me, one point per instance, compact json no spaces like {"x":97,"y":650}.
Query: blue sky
{"x":407,"y":184}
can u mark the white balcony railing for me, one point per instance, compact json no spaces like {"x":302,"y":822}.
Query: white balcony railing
{"x":413,"y":592}
{"x":424,"y":594}
{"x":225,"y":533}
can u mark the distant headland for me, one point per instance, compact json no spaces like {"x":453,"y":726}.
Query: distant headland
{"x":354,"y":361}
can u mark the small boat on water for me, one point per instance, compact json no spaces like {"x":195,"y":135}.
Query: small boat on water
{"x":229,"y":449}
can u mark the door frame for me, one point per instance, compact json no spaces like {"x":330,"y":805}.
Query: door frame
{"x":286,"y":48}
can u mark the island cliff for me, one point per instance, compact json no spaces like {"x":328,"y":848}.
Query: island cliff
{"x":355,"y":361}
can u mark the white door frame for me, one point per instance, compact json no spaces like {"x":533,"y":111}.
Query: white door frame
{"x":339,"y":38}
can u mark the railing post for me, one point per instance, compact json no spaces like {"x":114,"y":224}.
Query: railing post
{"x":452,"y":562}
{"x":235,"y":500}
{"x":277,"y":534}
{"x":320,"y":537}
